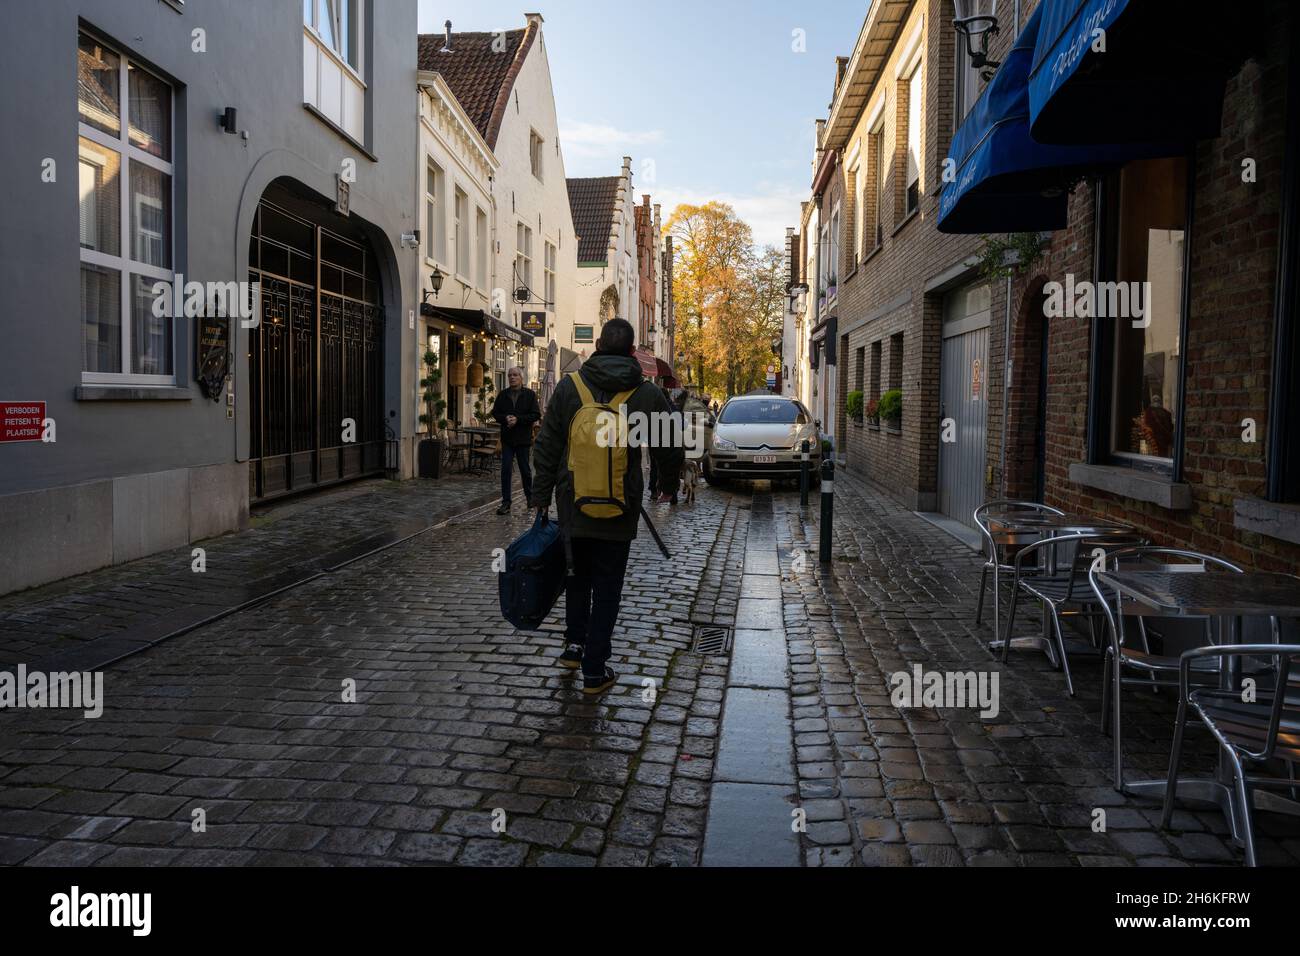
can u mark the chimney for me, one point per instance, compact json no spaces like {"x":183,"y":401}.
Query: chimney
{"x":446,"y":46}
{"x":534,"y":18}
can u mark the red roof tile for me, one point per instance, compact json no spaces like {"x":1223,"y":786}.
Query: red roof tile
{"x":592,"y":203}
{"x":480,"y":69}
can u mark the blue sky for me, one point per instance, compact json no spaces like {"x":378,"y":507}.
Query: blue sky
{"x":710,"y":90}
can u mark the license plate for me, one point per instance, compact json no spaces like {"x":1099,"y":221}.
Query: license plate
{"x":765,"y":459}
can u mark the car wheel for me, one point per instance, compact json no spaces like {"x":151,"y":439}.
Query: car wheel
{"x":714,"y":479}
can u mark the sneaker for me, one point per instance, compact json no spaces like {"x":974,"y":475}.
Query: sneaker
{"x":503,"y":510}
{"x":591,"y":686}
{"x":572,"y":657}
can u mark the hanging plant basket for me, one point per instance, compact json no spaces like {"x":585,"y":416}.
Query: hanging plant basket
{"x":457,"y":372}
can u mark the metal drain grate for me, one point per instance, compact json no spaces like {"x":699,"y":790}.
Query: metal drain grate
{"x":711,"y":640}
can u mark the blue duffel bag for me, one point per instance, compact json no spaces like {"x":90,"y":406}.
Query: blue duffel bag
{"x":534,"y":576}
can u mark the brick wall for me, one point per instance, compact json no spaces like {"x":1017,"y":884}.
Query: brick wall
{"x":911,"y":256}
{"x":1233,"y":262}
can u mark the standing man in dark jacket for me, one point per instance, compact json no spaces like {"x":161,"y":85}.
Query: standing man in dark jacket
{"x":515,"y":410}
{"x":600,"y":545}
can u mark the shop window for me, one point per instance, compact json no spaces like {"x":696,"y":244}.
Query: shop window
{"x":1140,"y":314}
{"x":124,"y":181}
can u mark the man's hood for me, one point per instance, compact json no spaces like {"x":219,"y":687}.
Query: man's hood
{"x":613,"y":373}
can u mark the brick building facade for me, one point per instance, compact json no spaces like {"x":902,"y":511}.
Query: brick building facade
{"x":914,"y":311}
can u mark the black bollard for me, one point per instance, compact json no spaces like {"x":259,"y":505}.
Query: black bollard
{"x":803,"y":476}
{"x":828,"y":507}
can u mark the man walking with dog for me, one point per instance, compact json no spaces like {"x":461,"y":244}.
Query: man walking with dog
{"x":597,"y":485}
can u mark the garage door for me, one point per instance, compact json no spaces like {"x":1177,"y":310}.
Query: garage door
{"x":963,"y":395}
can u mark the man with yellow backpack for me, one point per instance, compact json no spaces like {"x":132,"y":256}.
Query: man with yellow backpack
{"x":597,"y":483}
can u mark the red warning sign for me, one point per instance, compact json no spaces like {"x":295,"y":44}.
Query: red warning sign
{"x":21,"y":421}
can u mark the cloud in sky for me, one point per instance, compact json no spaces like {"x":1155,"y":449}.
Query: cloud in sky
{"x":768,"y":211}
{"x":583,"y":142}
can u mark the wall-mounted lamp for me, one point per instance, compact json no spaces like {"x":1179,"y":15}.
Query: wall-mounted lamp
{"x":229,"y":120}
{"x":435,"y":285}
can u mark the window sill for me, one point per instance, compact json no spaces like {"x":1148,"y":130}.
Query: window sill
{"x":906,"y":220}
{"x":872,"y":254}
{"x":344,"y":134}
{"x":1134,"y":485}
{"x":1270,"y":518}
{"x":892,"y":429}
{"x":132,"y":393}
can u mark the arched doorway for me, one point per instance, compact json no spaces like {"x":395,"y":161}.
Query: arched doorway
{"x":316,"y":372}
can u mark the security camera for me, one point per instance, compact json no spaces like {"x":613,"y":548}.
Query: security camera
{"x":411,"y":240}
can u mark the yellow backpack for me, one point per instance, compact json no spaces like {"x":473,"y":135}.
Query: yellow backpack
{"x":598,"y":471}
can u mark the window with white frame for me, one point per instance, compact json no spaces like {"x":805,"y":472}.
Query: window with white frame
{"x":858,"y":184}
{"x":523,"y":257}
{"x":535,"y":146}
{"x":124,"y":181}
{"x":880,"y":167}
{"x":548,"y":264}
{"x":833,"y":267}
{"x":435,"y":220}
{"x":481,"y":243}
{"x":915,"y":92}
{"x":460,"y":212}
{"x":823,"y":259}
{"x":332,"y":62}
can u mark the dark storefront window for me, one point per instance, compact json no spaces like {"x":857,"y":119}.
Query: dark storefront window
{"x":1140,"y":311}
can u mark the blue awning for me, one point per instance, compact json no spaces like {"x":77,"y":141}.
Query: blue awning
{"x":1161,"y":75}
{"x":1006,"y":181}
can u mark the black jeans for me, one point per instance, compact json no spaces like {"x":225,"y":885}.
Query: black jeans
{"x":592,"y":598}
{"x":519,"y":453}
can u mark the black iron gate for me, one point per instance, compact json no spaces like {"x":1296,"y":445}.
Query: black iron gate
{"x":316,"y":358}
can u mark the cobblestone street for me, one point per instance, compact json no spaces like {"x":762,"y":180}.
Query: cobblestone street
{"x":467,"y":745}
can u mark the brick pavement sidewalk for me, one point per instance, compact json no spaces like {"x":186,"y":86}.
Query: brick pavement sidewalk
{"x":925,"y":786}
{"x":457,"y":719}
{"x":88,"y":620}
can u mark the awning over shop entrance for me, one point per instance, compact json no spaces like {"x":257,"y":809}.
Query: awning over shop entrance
{"x":1133,"y":70}
{"x":649,"y":364}
{"x":469,"y":320}
{"x":1006,"y":181}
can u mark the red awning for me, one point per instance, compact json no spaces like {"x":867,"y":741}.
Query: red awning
{"x":649,"y":364}
{"x":667,"y":376}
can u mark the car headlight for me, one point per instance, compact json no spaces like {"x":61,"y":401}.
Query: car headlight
{"x":721,"y":444}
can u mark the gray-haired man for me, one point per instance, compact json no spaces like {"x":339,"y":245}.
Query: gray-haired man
{"x":516,"y":410}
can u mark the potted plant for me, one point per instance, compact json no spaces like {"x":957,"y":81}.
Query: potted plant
{"x":890,"y":409}
{"x":872,"y":413}
{"x":429,"y":455}
{"x":853,"y":406}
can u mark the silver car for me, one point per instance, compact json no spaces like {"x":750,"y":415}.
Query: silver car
{"x":762,"y":436}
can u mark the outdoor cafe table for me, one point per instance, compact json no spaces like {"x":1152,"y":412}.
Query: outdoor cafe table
{"x":1214,"y":595}
{"x":480,"y":436}
{"x":1012,"y":525}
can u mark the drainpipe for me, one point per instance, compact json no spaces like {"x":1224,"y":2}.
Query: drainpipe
{"x":419,"y":204}
{"x":1006,"y":385}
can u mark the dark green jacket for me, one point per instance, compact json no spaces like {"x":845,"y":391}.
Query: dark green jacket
{"x":606,"y":376}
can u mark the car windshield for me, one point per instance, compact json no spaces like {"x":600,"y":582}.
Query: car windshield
{"x":777,"y":412}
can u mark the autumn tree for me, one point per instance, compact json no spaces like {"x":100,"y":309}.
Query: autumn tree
{"x":729,"y":297}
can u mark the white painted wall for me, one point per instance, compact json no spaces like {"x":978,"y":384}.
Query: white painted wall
{"x":449,"y":139}
{"x":543,"y":205}
{"x":620,"y":270}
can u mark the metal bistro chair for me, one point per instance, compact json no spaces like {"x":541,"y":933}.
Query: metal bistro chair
{"x":1058,"y":579}
{"x":1000,"y":549}
{"x":1249,"y":734}
{"x":1146,"y":668}
{"x":458,"y":444}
